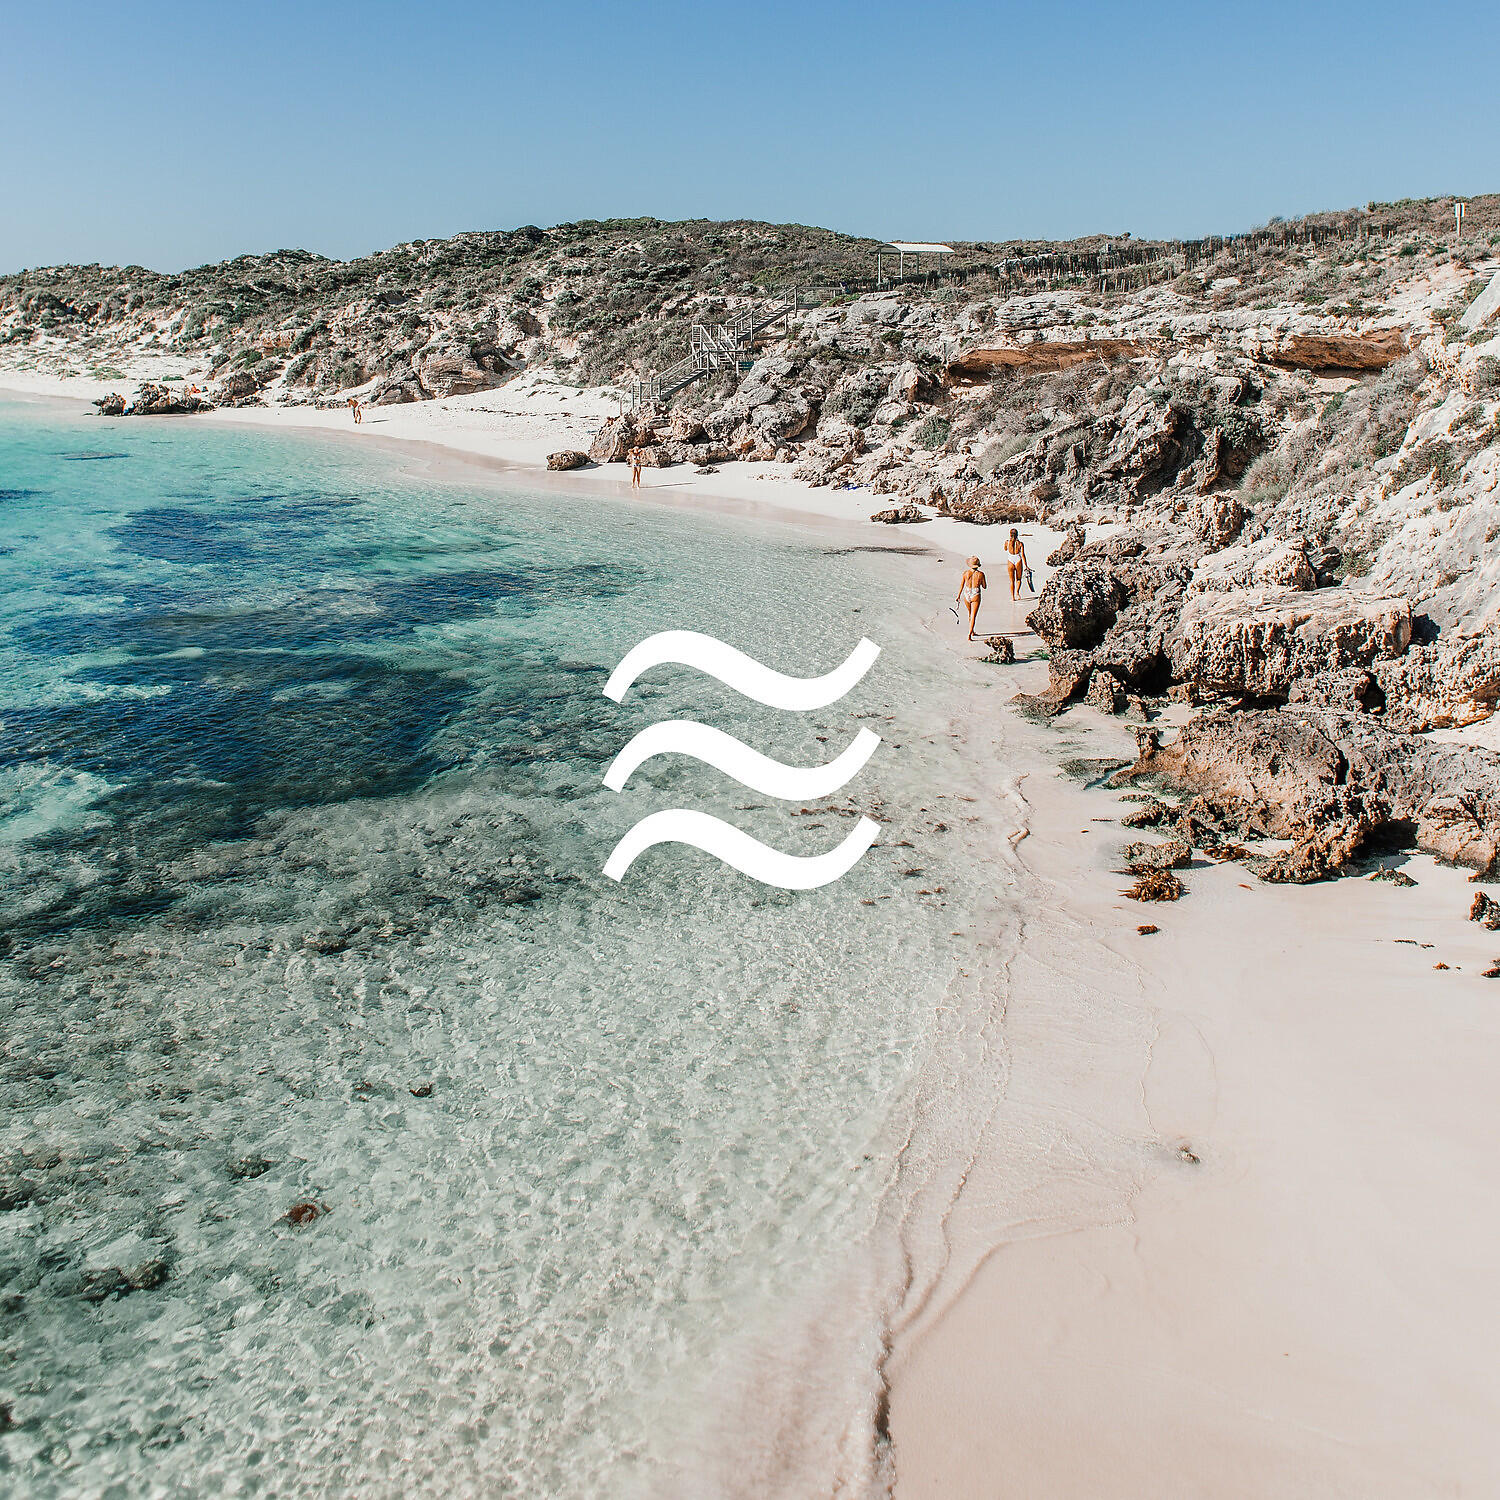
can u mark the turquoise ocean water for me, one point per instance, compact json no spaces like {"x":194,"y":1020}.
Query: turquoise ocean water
{"x":301,"y":831}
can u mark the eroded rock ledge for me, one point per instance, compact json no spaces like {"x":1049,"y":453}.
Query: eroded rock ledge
{"x":1314,"y":694}
{"x":1331,"y":780}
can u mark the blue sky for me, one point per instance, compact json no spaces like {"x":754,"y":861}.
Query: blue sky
{"x":173,"y":136}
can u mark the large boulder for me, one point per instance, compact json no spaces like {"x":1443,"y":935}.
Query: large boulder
{"x":911,"y":384}
{"x":1269,"y":562}
{"x":1079,"y":603}
{"x":1329,"y":780}
{"x":1451,"y":681}
{"x":613,"y":442}
{"x":567,"y":458}
{"x":241,"y":388}
{"x":779,"y":421}
{"x":452,"y":370}
{"x":1259,"y":641}
{"x":396,"y":390}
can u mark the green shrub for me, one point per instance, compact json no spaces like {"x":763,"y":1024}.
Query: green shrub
{"x":313,"y":333}
{"x":932,"y":432}
{"x":1435,"y":458}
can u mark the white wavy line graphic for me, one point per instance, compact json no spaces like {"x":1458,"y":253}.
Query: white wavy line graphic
{"x":791,"y":872}
{"x":734,"y":758}
{"x":743,"y":673}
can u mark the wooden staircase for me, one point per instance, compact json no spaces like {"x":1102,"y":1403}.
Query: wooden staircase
{"x":714,"y":346}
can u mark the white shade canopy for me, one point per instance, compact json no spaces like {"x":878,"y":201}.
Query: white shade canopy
{"x":907,"y":247}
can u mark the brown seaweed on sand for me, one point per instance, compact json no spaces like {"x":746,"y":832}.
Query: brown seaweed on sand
{"x":1156,"y":885}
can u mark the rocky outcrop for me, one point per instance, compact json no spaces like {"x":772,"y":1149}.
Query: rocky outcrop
{"x":241,"y":388}
{"x":1218,"y":520}
{"x":1334,"y":352}
{"x":1260,"y":641}
{"x":1075,"y":539}
{"x":902,"y":514}
{"x":1451,"y":681}
{"x":1483,"y":307}
{"x":1329,"y":781}
{"x":567,"y":458}
{"x":1105,"y":692}
{"x":452,"y":370}
{"x":832,"y":456}
{"x":978,"y":364}
{"x":1080,"y":602}
{"x":1267,"y":563}
{"x":613,"y":442}
{"x":1113,"y":608}
{"x":1152,"y":440}
{"x":153,"y":401}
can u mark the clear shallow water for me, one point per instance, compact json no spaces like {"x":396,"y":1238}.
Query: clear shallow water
{"x":301,"y":829}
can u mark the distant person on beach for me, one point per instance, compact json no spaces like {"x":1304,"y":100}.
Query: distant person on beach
{"x":354,"y":407}
{"x":1015,"y":561}
{"x":970,"y":586}
{"x":635,"y":468}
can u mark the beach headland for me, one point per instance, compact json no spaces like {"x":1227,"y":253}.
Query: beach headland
{"x":1222,"y":1230}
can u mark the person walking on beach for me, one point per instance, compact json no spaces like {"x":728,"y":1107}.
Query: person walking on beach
{"x":970,"y":586}
{"x":354,"y":407}
{"x":635,"y":468}
{"x":1015,"y":561}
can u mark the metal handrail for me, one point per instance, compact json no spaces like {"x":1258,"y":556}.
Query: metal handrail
{"x":712,"y":346}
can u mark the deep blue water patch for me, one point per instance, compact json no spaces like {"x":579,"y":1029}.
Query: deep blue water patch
{"x":202,"y":646}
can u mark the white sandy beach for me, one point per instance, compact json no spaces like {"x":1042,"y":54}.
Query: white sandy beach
{"x":1305,"y":1310}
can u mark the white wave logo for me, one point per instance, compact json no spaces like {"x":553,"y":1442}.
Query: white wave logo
{"x":734,"y":847}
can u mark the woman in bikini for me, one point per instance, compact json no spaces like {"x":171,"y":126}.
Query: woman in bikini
{"x":635,"y":468}
{"x":1015,"y":560}
{"x":970,"y":586}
